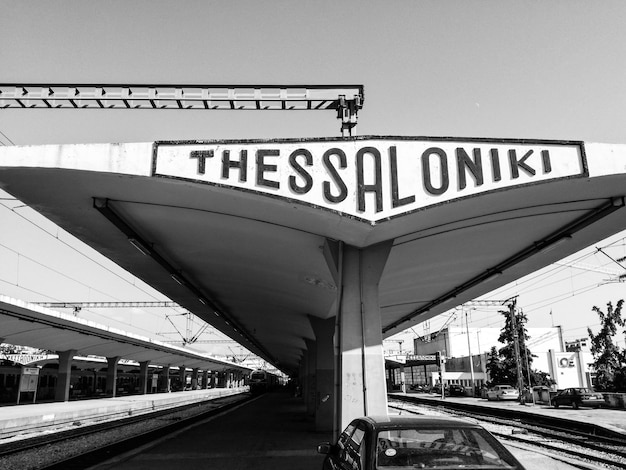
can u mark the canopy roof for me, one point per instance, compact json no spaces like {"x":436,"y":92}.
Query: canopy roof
{"x":31,"y":325}
{"x":248,"y":235}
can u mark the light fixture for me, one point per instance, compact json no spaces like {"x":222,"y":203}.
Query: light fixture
{"x":549,"y":246}
{"x":177,"y":278}
{"x":314,"y":281}
{"x":202,"y":300}
{"x":448,"y":299}
{"x":493,"y":275}
{"x":140,"y":246}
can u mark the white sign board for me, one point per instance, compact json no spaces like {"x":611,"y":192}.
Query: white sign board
{"x":372,"y":179}
{"x":415,"y":357}
{"x":29,"y":379}
{"x":25,"y":358}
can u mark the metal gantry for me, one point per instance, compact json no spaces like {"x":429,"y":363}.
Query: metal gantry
{"x":347,"y":100}
{"x":80,"y":305}
{"x":188,"y":338}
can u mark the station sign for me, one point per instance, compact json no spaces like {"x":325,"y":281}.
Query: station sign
{"x":415,"y":357}
{"x":29,"y":380}
{"x":372,"y":179}
{"x":24,"y":358}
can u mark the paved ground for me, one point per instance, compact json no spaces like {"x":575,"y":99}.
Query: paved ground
{"x":613,"y":419}
{"x":272,"y":432}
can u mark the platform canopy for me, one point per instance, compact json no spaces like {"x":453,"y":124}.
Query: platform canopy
{"x":32,"y":325}
{"x":248,"y":235}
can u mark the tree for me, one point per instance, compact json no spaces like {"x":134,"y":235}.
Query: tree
{"x":503,"y":362}
{"x":609,"y":360}
{"x":507,"y":352}
{"x":494,"y":367}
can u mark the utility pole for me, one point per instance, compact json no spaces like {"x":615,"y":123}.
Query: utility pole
{"x":440,"y":359}
{"x":518,"y":359}
{"x":469,"y":352}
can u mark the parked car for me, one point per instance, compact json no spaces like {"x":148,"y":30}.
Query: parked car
{"x":419,"y":388}
{"x":456,"y":390}
{"x":437,"y":389}
{"x":397,"y":442}
{"x":502,"y":392}
{"x":576,"y":397}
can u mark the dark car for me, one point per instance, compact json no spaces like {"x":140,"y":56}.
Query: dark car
{"x":456,"y":390}
{"x":419,"y":388}
{"x":437,"y":389}
{"x":576,"y":397}
{"x":397,"y":442}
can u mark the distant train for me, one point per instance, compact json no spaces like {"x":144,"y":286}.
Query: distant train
{"x":263,"y":381}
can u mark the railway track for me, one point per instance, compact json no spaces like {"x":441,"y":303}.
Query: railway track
{"x":89,"y":445}
{"x":580,"y":449}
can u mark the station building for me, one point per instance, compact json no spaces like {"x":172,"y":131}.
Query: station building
{"x":567,"y":365}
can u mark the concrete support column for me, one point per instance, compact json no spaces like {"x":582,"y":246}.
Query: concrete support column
{"x":308,"y":366}
{"x":362,"y":364}
{"x":62,"y":392}
{"x":552,"y":366}
{"x":205,"y":379}
{"x":580,"y":368}
{"x":194,"y":378}
{"x":111,"y":383}
{"x":182,"y":370}
{"x":166,"y":378}
{"x":143,"y":377}
{"x":324,"y":373}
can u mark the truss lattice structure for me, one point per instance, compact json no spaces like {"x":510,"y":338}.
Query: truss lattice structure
{"x":346,"y":100}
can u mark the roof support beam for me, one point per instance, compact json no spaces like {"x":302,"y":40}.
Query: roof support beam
{"x":542,"y":246}
{"x":248,"y":340}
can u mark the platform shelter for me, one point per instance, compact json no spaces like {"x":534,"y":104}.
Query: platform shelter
{"x":310,"y":251}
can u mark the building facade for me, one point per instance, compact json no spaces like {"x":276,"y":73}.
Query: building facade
{"x":568,"y":365}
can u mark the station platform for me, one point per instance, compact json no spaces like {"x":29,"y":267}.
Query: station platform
{"x":271,"y":431}
{"x":611,"y":419}
{"x":19,"y":421}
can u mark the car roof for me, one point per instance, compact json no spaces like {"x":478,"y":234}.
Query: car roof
{"x":399,"y":421}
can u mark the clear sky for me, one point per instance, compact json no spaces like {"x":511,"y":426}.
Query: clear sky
{"x":514,"y":69}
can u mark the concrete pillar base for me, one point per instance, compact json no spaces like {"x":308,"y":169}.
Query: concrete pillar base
{"x":62,"y":392}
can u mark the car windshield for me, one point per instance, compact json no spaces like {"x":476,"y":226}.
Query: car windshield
{"x":451,"y":448}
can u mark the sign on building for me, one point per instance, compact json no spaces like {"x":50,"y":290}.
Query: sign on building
{"x":371,"y":179}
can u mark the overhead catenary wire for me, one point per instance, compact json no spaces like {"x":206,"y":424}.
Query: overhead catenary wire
{"x":6,"y":138}
{"x":93,"y":289}
{"x":538,"y":281}
{"x":73,"y":248}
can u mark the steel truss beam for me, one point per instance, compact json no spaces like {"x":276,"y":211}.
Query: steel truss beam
{"x":345,"y":99}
